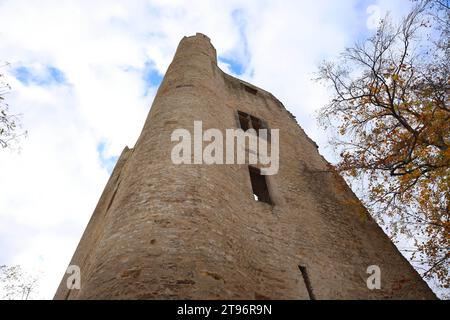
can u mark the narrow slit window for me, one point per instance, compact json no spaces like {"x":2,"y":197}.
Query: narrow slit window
{"x":307,"y":282}
{"x":259,"y":186}
{"x":250,"y":89}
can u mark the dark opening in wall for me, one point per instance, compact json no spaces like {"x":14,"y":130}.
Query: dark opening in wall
{"x":259,"y":185}
{"x":250,"y":89}
{"x":256,"y":123}
{"x":244,"y":121}
{"x":307,"y":282}
{"x":247,"y":121}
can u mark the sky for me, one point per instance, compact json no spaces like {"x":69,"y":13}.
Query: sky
{"x":84,"y":74}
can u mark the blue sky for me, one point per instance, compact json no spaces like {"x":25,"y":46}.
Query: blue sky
{"x":238,"y":58}
{"x":108,"y":162}
{"x":84,"y":74}
{"x":152,"y":76}
{"x":237,"y":67}
{"x":48,"y":75}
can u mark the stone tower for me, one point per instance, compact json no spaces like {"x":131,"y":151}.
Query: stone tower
{"x":195,"y":231}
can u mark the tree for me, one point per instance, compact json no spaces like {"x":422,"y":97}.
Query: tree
{"x":9,"y":123}
{"x":17,"y":284}
{"x":390,"y":109}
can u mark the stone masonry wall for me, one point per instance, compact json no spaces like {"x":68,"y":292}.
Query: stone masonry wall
{"x":165,"y":231}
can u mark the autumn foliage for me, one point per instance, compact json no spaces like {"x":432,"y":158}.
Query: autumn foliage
{"x":391,"y":110}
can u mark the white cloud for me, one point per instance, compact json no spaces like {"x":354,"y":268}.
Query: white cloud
{"x":50,"y":189}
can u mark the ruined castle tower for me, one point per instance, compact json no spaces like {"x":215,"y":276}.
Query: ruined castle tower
{"x":162,"y":230}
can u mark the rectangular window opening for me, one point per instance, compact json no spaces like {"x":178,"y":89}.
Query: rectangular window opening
{"x":307,"y":282}
{"x":256,"y":123}
{"x":250,"y":89}
{"x":259,"y":186}
{"x":247,"y":121}
{"x":244,"y":121}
